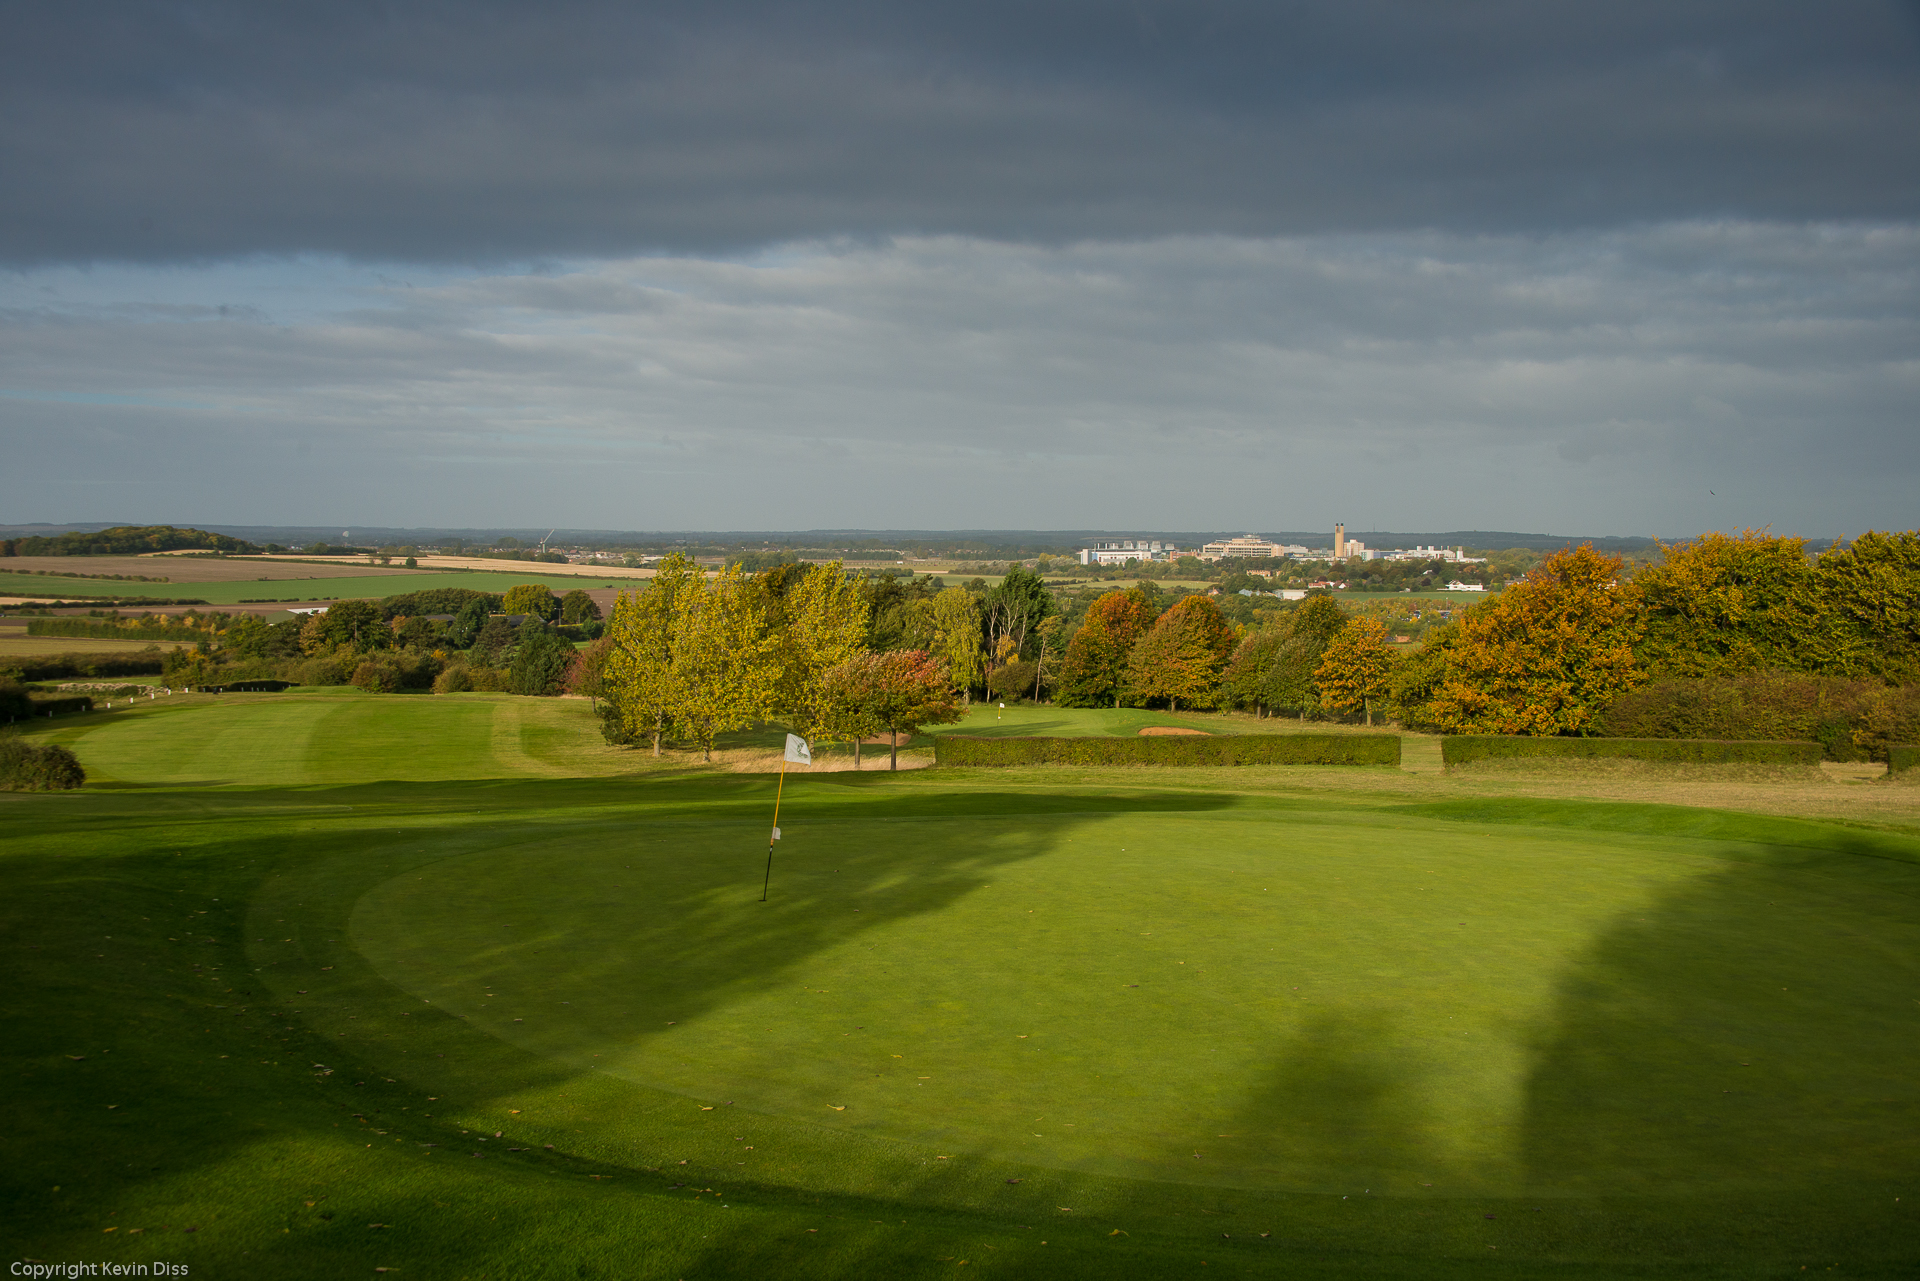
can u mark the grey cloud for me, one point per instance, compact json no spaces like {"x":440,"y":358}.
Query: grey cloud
{"x":508,"y":132}
{"x":1427,"y":380}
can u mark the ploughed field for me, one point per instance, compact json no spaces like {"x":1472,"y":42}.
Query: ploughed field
{"x":292,"y":966}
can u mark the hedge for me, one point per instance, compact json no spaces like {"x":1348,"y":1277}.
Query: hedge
{"x":26,"y":768}
{"x":53,"y":667}
{"x":1464,"y":749}
{"x":59,"y":704}
{"x":1902,"y":756}
{"x":101,"y":629}
{"x":1171,"y":749}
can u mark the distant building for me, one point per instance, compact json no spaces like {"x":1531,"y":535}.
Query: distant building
{"x":1120,"y":551}
{"x":1451,"y":555}
{"x":1457,"y":586}
{"x":1245,"y":546}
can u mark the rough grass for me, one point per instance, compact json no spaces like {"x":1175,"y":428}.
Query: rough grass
{"x":292,"y":941}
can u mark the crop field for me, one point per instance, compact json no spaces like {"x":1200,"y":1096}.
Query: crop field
{"x":371,"y":585}
{"x":314,"y":984}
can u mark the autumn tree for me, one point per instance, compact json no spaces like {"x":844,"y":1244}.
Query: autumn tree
{"x":899,"y":691}
{"x":1356,"y":667}
{"x":640,"y":668}
{"x":947,"y":627}
{"x":533,"y":599}
{"x":1721,"y":605}
{"x":1274,"y":667}
{"x":822,"y":622}
{"x":1545,"y":656}
{"x":1094,"y":673}
{"x":1183,"y":655}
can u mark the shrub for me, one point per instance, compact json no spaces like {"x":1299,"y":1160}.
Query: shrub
{"x":26,"y":768}
{"x":1015,"y":681}
{"x":1464,"y":749}
{"x":53,"y":667}
{"x":613,"y":726}
{"x":376,"y":676}
{"x":1226,"y":749}
{"x":13,"y":698}
{"x":1851,"y":719}
{"x":324,"y":669}
{"x":456,"y":679}
{"x":1902,"y":757}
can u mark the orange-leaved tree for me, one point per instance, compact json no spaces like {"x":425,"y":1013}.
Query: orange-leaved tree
{"x":1184,"y":656}
{"x":898,"y":691}
{"x":1357,"y":667}
{"x":1095,"y":671}
{"x":1545,"y":656}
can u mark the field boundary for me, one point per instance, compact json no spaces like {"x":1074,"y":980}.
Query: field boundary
{"x":1236,"y":749}
{"x":1464,"y":749}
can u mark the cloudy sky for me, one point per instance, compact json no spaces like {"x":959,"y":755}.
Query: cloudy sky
{"x":1614,"y":269}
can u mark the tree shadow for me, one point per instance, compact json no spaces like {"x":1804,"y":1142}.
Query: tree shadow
{"x":1753,"y":1031}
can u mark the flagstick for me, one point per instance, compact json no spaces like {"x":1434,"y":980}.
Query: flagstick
{"x":778,"y":789}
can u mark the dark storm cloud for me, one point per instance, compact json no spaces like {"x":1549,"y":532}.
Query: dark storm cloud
{"x":473,"y":131}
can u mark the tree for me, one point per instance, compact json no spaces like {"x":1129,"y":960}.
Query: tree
{"x":533,"y":599}
{"x":1183,"y":656}
{"x":578,"y":607}
{"x":1720,"y":605}
{"x":1545,"y":656}
{"x":1094,"y":673}
{"x":899,"y":691}
{"x":467,"y":623}
{"x":1014,"y":611}
{"x":639,"y":672}
{"x":540,"y":662}
{"x":951,"y":621}
{"x":587,"y":670}
{"x":357,"y":623}
{"x":823,"y":624}
{"x":247,"y":636}
{"x":1357,"y":666}
{"x":725,"y":672}
{"x":1871,"y":591}
{"x":495,"y":643}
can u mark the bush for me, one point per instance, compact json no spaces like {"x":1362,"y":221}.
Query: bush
{"x":14,"y":702}
{"x":58,"y":704}
{"x":613,"y":726}
{"x":376,"y":676}
{"x":457,"y":679}
{"x":1850,"y":719}
{"x":1902,"y":757}
{"x":26,"y":768}
{"x":53,"y":667}
{"x":323,"y":669}
{"x":1464,"y":749}
{"x":1014,"y":682}
{"x":1171,"y":749}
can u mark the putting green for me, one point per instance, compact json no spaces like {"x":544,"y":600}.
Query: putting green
{"x":1243,"y":998}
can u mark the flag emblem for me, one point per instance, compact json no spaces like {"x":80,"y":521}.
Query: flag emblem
{"x":797,"y":750}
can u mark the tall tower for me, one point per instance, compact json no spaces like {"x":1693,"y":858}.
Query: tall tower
{"x":1339,"y":542}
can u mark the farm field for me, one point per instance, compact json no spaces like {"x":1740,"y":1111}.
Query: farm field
{"x":368,"y":585}
{"x":294,"y":965}
{"x":14,"y":640}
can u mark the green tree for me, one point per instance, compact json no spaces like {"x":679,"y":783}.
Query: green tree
{"x":1871,"y":593}
{"x":467,"y":623}
{"x":578,"y":607}
{"x":540,"y":661}
{"x":359,"y":624}
{"x":1013,"y":611}
{"x":494,"y":645}
{"x":1721,"y":605}
{"x":640,"y":670}
{"x":1357,"y":667}
{"x":899,"y":691}
{"x":725,"y":670}
{"x":247,"y":636}
{"x":948,"y":629}
{"x":1183,"y":656}
{"x":533,"y":599}
{"x":1547,"y":655}
{"x":1094,"y":673}
{"x":823,"y":615}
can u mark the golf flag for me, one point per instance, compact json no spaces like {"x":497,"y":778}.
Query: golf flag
{"x":797,"y":750}
{"x":776,"y":833}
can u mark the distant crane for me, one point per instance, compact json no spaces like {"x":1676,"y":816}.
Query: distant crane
{"x":543,"y":543}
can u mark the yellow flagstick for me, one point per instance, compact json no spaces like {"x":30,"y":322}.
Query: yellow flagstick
{"x":778,"y":789}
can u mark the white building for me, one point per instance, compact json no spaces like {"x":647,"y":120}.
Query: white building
{"x":1451,"y":555}
{"x":1457,"y":586}
{"x":1245,"y":546}
{"x":1120,"y":551}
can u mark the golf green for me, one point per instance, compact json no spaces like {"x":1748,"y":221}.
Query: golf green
{"x":302,"y":964}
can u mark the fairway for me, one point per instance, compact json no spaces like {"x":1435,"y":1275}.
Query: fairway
{"x":297,"y":964}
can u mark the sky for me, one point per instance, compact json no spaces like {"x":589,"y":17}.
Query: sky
{"x":1609,"y":269}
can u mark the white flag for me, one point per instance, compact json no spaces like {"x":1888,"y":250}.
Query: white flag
{"x":776,"y":833}
{"x":798,"y":752}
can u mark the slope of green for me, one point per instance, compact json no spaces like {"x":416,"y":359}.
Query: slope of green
{"x":1048,"y":1023}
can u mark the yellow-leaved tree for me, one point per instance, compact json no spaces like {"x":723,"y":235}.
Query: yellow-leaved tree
{"x":1356,"y":669}
{"x":824,"y":624}
{"x":725,"y":671}
{"x":639,"y":673}
{"x":1545,"y":656}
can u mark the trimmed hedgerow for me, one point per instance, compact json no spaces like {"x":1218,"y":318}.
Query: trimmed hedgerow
{"x":1902,"y":756}
{"x":51,"y":667}
{"x":1225,"y":749}
{"x":1464,"y":749}
{"x":59,"y":704}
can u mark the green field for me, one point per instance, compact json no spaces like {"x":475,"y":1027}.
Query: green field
{"x":371,"y":587}
{"x":296,"y":965}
